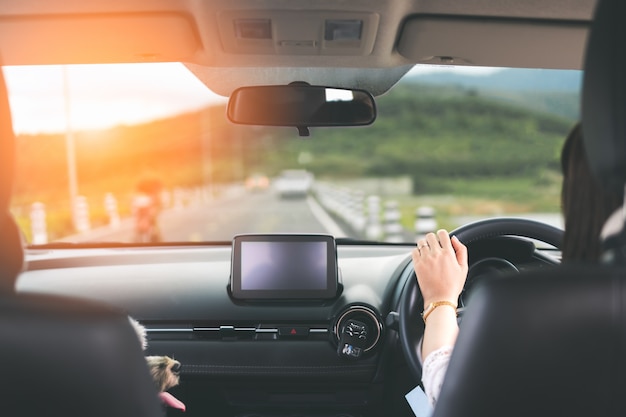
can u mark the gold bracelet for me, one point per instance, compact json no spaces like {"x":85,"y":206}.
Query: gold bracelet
{"x":432,"y":306}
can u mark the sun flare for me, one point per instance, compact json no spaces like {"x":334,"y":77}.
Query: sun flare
{"x":100,"y":96}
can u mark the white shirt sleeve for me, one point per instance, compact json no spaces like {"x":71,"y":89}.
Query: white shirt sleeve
{"x":434,"y":371}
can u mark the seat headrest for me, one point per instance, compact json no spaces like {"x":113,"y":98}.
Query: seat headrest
{"x":66,"y":357}
{"x":7,"y":147}
{"x":11,"y":252}
{"x":604,"y":95}
{"x":544,"y":342}
{"x":613,"y":238}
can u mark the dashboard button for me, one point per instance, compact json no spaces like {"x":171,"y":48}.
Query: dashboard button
{"x":293,"y":331}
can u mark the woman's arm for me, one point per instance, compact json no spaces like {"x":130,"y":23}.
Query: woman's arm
{"x":441,"y":267}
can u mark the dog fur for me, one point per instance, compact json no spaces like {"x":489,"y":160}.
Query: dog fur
{"x":164,"y":370}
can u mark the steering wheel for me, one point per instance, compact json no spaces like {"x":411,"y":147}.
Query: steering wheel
{"x":411,"y":327}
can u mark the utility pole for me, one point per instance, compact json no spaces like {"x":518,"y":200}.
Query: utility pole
{"x":69,"y":147}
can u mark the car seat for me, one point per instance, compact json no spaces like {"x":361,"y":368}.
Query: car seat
{"x":61,"y":356}
{"x":553,"y":341}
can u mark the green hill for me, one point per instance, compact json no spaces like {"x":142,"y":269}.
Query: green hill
{"x":436,"y":135}
{"x":421,"y":129}
{"x":449,"y":131}
{"x":112,"y":160}
{"x":545,"y":90}
{"x":509,"y":79}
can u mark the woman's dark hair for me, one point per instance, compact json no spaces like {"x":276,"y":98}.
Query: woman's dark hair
{"x":585,"y":204}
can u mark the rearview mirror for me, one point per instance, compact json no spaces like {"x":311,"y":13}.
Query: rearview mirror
{"x":301,"y":106}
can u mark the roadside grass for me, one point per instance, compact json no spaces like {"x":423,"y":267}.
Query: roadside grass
{"x":59,"y":218}
{"x":486,"y":197}
{"x":483,"y":197}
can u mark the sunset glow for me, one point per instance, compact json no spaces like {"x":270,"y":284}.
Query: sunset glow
{"x":101,"y":96}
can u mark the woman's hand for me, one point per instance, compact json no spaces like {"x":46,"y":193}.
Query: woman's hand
{"x":441,"y":268}
{"x":440,"y":264}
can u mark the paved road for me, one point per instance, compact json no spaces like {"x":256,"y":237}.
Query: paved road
{"x":249,"y":212}
{"x":220,"y":220}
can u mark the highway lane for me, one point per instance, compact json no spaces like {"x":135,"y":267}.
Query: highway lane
{"x":221,"y":219}
{"x":239,"y":211}
{"x":261,"y":212}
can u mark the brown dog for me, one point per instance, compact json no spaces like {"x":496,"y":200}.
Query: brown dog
{"x":165,"y":371}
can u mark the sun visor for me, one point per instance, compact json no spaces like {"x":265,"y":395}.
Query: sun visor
{"x":493,"y":42}
{"x":98,"y":38}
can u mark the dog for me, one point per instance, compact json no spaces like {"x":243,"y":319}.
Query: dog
{"x":164,"y":370}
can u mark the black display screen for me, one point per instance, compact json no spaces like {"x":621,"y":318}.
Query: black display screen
{"x":284,"y":267}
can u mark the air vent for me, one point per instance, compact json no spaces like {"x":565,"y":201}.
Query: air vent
{"x":261,"y":331}
{"x":364,"y":315}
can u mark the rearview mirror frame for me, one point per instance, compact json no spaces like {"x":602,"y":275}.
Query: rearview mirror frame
{"x":301,"y":105}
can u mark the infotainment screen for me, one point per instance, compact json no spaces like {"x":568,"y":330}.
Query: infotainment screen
{"x":284,"y":267}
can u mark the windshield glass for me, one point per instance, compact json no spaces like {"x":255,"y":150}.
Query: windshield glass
{"x":144,"y":153}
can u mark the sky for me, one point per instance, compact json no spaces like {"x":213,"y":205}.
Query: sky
{"x":103,"y":96}
{"x":428,"y":69}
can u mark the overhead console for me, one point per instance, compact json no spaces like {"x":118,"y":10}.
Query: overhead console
{"x":279,"y":32}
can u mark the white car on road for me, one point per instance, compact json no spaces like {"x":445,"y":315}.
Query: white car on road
{"x":294,"y":183}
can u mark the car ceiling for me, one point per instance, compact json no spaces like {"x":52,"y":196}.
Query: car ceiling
{"x":394,"y":35}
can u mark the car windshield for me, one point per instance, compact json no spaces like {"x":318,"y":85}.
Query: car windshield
{"x":144,"y":153}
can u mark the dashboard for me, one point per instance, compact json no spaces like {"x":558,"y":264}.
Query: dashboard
{"x":263,"y":357}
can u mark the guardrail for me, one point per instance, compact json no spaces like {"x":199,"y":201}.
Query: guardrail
{"x":367,"y":216}
{"x":370,"y":218}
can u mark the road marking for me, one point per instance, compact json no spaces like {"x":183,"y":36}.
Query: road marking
{"x":320,"y":214}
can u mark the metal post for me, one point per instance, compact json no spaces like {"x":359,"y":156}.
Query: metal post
{"x":38,"y":224}
{"x":424,"y":221}
{"x":392,"y":226}
{"x":70,"y":149}
{"x":81,"y":210}
{"x":374,"y":230}
{"x":110,"y":205}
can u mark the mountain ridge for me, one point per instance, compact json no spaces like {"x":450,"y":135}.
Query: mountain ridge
{"x":552,"y":91}
{"x":512,"y":79}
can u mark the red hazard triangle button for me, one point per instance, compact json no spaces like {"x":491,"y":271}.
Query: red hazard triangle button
{"x":293,"y":331}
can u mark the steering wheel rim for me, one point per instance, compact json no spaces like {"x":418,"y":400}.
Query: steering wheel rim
{"x":411,"y":328}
